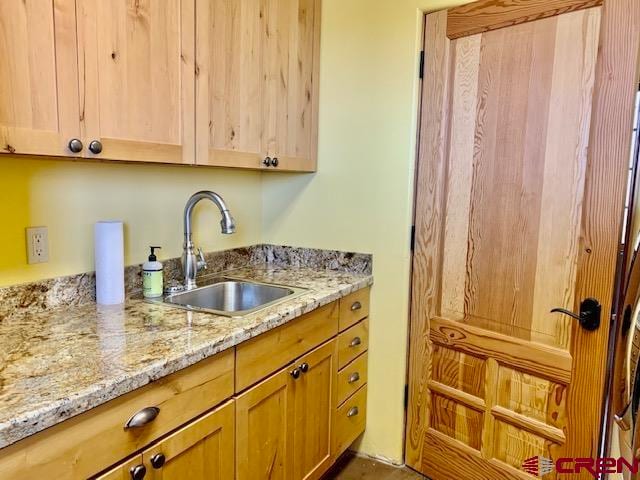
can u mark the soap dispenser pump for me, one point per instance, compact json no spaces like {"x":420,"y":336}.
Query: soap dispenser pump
{"x":152,"y":277}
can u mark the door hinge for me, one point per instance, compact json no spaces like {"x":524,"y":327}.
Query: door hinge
{"x":412,"y":241}
{"x":421,"y":71}
{"x":406,"y":396}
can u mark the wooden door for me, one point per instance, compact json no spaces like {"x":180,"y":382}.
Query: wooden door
{"x":122,"y":471}
{"x":257,"y":83}
{"x":136,"y":61}
{"x":39,"y":112}
{"x":315,"y":402}
{"x":521,"y":185}
{"x":202,"y":450}
{"x":265,"y":415}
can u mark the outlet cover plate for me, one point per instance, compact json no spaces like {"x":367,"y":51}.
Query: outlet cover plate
{"x":37,"y":245}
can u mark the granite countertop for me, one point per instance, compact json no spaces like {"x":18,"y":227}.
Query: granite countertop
{"x":58,"y":363}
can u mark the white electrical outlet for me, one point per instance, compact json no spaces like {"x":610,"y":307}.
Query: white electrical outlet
{"x":37,"y":245}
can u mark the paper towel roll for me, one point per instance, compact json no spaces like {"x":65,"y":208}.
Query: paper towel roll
{"x":109,"y":256}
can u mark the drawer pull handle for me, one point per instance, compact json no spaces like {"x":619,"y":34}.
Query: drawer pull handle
{"x":295,"y":373}
{"x":353,"y":411}
{"x":142,"y":418}
{"x":138,"y":472}
{"x":157,"y":461}
{"x":304,"y":368}
{"x":356,"y":306}
{"x":356,"y":342}
{"x":354,"y":377}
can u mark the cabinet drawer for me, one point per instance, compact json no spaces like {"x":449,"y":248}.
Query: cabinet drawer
{"x":352,"y":377}
{"x":354,"y":308}
{"x":350,"y":421}
{"x":353,"y":342}
{"x":88,"y":443}
{"x":263,"y":355}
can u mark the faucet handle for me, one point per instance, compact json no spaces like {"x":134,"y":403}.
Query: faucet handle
{"x":202,"y":263}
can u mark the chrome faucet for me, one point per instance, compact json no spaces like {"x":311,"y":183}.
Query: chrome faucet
{"x":192,"y":263}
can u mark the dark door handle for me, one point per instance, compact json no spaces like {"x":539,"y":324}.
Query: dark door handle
{"x":589,"y":316}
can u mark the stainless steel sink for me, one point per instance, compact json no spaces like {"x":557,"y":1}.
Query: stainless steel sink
{"x":232,"y":297}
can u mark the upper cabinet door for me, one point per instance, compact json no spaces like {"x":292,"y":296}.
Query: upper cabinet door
{"x":257,"y":83}
{"x":136,"y":62}
{"x":39,"y":112}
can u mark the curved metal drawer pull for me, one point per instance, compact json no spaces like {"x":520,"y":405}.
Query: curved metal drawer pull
{"x":356,"y":306}
{"x":355,"y":342}
{"x":353,"y":411}
{"x":354,"y":377}
{"x":142,"y":418}
{"x":624,"y":419}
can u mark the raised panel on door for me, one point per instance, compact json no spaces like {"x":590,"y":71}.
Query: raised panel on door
{"x":511,"y":188}
{"x":315,"y":401}
{"x":201,"y":450}
{"x":256,"y":83}
{"x":39,"y":112}
{"x":265,"y":417}
{"x":137,"y":84}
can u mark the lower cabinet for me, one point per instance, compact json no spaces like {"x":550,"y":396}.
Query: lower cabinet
{"x":283,"y":424}
{"x":203,"y":449}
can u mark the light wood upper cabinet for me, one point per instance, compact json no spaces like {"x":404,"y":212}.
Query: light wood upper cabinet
{"x":136,"y":62}
{"x":257,"y":83}
{"x":39,"y":111}
{"x":203,"y":449}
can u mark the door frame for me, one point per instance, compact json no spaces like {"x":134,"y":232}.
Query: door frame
{"x":617,"y":75}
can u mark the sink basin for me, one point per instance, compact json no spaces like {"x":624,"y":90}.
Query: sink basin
{"x":232,"y":297}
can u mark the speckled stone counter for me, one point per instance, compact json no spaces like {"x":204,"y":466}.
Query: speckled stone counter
{"x":58,"y":363}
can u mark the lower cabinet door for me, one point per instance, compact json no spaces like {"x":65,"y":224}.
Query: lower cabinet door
{"x":264,"y":429}
{"x":315,"y":399}
{"x":201,"y":450}
{"x":132,"y":468}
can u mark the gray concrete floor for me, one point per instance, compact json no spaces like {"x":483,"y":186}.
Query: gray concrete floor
{"x":351,"y":467}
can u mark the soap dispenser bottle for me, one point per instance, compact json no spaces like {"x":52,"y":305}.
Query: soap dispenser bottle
{"x":152,"y":281}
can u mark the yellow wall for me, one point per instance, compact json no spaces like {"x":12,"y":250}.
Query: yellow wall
{"x":69,"y":197}
{"x":361,"y":198}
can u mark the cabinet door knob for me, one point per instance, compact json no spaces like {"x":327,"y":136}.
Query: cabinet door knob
{"x":274,"y":162}
{"x":353,"y":411}
{"x":157,"y":461}
{"x":95,"y":147}
{"x":138,"y":472}
{"x":295,"y":373}
{"x":304,"y":368}
{"x":267,"y":162}
{"x":75,"y":145}
{"x":356,"y":306}
{"x":355,"y":342}
{"x":142,"y":418}
{"x":354,"y":377}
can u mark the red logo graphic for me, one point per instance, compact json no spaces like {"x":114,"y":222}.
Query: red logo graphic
{"x":537,"y":466}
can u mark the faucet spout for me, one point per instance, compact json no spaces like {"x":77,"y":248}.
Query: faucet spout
{"x":191,"y":264}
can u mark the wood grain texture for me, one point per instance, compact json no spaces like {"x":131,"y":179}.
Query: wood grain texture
{"x":486,"y":15}
{"x":616,"y":84}
{"x":122,"y":471}
{"x":39,"y":109}
{"x":456,"y":421}
{"x":508,"y":208}
{"x":348,"y":428}
{"x":425,"y":297}
{"x":354,"y":308}
{"x":256,"y":83}
{"x":203,"y":449}
{"x":137,"y":78}
{"x":347,"y":384}
{"x":353,"y":343}
{"x":88,"y":443}
{"x":263,"y":355}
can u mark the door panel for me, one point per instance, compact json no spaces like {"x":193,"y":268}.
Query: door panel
{"x":504,"y":218}
{"x":39,"y":110}
{"x":137,"y":78}
{"x":315,"y":401}
{"x":265,"y":417}
{"x":257,"y":81}
{"x":202,"y":450}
